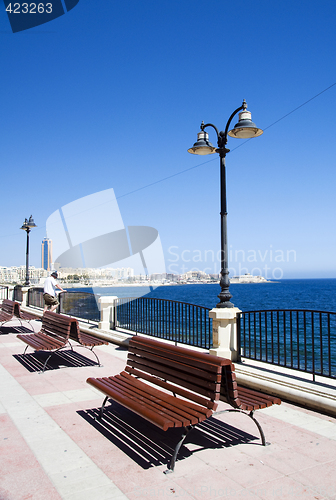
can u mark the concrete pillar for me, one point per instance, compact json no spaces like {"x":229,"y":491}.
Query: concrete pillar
{"x":107,"y":318}
{"x":224,"y":332}
{"x":24,"y":290}
{"x":10,"y":292}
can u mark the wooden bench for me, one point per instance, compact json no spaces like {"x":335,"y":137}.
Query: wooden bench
{"x":6,"y":311}
{"x":85,"y":339}
{"x":243,"y":399}
{"x":25,"y":315}
{"x":167,"y":385}
{"x":53,"y":336}
{"x":10,"y":309}
{"x":56,"y":332}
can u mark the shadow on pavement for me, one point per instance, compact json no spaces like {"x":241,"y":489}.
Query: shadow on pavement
{"x":149,"y":446}
{"x":15,"y":329}
{"x":34,"y":361}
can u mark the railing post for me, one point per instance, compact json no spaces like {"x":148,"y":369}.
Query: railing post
{"x":107,"y":316}
{"x":224,"y":332}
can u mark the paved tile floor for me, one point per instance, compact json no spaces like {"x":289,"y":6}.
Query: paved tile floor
{"x":51,"y":446}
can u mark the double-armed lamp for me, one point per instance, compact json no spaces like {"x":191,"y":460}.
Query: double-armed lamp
{"x":244,"y":129}
{"x":27,"y":226}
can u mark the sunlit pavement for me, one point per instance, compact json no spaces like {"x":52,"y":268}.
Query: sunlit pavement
{"x":52,"y":447}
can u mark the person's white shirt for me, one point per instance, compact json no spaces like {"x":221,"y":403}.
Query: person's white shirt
{"x":50,"y":286}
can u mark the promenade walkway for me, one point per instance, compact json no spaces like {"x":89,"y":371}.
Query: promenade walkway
{"x":52,"y":448}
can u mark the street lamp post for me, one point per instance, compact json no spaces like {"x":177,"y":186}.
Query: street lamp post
{"x":244,"y":129}
{"x":27,"y":226}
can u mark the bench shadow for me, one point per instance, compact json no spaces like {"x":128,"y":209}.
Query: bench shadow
{"x":15,"y":329}
{"x":34,"y":361}
{"x":150,"y":446}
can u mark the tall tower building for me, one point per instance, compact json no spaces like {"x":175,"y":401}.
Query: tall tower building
{"x":46,"y":254}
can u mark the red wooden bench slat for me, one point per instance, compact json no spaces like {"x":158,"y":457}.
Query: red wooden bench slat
{"x":193,"y":409}
{"x":154,"y":399}
{"x":261,"y":395}
{"x":173,"y":388}
{"x":6,"y":310}
{"x":140,"y":409}
{"x":166,"y":367}
{"x":40,"y":342}
{"x":214,"y":373}
{"x":170,"y":368}
{"x":27,"y":316}
{"x":54,"y":333}
{"x":242,"y":397}
{"x":84,"y":339}
{"x":178,"y":379}
{"x":176,"y":353}
{"x":90,"y":340}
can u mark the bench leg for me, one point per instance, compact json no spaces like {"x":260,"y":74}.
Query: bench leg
{"x":54,"y":352}
{"x":261,"y":432}
{"x":171,"y":465}
{"x":29,"y":323}
{"x":70,"y":345}
{"x":102,"y":409}
{"x":90,"y":349}
{"x":251,"y":415}
{"x":46,"y":362}
{"x":93,"y":352}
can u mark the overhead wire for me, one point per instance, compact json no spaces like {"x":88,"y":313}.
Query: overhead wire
{"x":163,"y":179}
{"x":238,"y":146}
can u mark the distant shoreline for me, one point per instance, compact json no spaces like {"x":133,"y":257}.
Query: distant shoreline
{"x":121,"y":285}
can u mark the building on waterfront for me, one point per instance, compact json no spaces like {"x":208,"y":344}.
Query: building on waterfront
{"x":113,"y":276}
{"x":248,"y":278}
{"x":164,"y":277}
{"x":16,"y":274}
{"x":94,"y":276}
{"x":46,"y":254}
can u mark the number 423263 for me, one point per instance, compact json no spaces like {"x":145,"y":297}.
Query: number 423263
{"x":31,"y":8}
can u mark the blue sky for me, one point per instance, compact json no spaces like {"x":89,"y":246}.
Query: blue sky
{"x":112,"y":94}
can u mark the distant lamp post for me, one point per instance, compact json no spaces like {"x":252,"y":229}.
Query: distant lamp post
{"x":244,"y":129}
{"x":27,"y":226}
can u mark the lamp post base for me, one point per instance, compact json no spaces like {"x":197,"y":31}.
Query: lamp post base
{"x":222,"y":305}
{"x":224,"y":298}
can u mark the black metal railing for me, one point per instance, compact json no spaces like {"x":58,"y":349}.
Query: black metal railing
{"x":302,"y":340}
{"x":166,"y":319}
{"x":35,"y":297}
{"x":17,"y":293}
{"x":79,"y":304}
{"x":3,"y":292}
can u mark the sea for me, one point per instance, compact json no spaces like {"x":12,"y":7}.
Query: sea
{"x":311,"y":294}
{"x":306,"y":294}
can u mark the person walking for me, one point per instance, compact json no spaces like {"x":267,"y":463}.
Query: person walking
{"x":49,"y":293}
